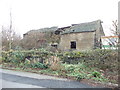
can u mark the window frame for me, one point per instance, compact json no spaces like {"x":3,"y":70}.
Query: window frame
{"x":72,"y":44}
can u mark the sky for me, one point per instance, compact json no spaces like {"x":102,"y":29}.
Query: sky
{"x":36,"y":14}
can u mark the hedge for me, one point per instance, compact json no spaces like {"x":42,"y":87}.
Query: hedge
{"x":93,"y":58}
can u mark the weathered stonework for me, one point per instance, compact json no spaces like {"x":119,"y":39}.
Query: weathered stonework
{"x":84,"y":41}
{"x":83,"y":36}
{"x":86,"y":36}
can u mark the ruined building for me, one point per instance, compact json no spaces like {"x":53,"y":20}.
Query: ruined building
{"x":84,"y":36}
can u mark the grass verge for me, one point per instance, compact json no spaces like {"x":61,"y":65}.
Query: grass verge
{"x":78,"y":72}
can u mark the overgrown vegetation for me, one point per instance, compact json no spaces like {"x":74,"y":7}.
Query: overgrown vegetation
{"x":95,"y":58}
{"x":94,"y":64}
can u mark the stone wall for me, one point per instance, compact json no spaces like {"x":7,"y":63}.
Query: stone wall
{"x":84,"y":41}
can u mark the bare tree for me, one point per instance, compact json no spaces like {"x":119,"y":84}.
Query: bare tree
{"x":114,"y":28}
{"x":10,"y":40}
{"x":33,"y":40}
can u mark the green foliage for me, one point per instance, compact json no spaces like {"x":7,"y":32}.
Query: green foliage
{"x":97,"y":54}
{"x":38,"y":65}
{"x":15,"y":57}
{"x":96,"y":74}
{"x":84,"y":64}
{"x":81,"y":71}
{"x":4,"y":56}
{"x":20,"y":56}
{"x":70,"y":68}
{"x":80,"y":76}
{"x":93,"y":58}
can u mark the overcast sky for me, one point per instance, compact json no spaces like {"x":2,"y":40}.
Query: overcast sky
{"x":35,"y":14}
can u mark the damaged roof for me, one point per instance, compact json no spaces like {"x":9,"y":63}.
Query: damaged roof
{"x":83,"y":27}
{"x":51,"y":29}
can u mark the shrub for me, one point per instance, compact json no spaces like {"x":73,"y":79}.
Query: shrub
{"x":0,"y":60}
{"x":80,"y":76}
{"x":93,"y":58}
{"x":20,"y":56}
{"x":54,"y":63}
{"x":5,"y":56}
{"x":38,"y":65}
{"x":96,"y":74}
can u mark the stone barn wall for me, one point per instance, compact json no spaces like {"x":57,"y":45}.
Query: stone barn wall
{"x":84,"y":41}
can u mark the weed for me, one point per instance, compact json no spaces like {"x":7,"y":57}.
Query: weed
{"x":96,"y":74}
{"x":38,"y":65}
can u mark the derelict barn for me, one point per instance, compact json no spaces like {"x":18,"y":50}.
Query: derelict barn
{"x":84,"y":36}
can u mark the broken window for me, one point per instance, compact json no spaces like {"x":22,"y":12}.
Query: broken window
{"x":73,"y":45}
{"x":54,"y":45}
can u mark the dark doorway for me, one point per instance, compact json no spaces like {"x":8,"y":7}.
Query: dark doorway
{"x":73,"y":45}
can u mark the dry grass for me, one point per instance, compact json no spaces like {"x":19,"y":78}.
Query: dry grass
{"x":54,"y":63}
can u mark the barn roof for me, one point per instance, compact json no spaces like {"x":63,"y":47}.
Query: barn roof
{"x":51,"y":29}
{"x":83,"y":27}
